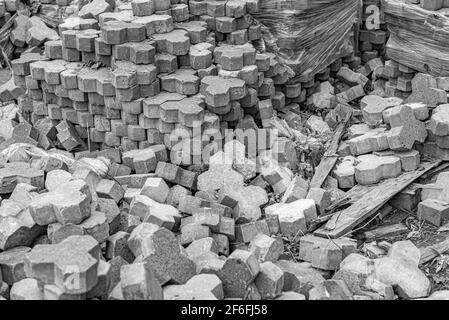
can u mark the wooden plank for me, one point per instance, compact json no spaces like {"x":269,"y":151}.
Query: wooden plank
{"x":385,"y":231}
{"x":343,"y":222}
{"x":433,"y":172}
{"x":351,"y":196}
{"x":51,"y":22}
{"x":431,"y":252}
{"x":329,"y":159}
{"x":356,"y":192}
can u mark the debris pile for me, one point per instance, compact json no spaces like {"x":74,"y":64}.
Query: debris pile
{"x":417,"y":34}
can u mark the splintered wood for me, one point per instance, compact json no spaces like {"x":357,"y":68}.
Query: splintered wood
{"x":430,"y":252}
{"x":329,"y":159}
{"x":343,"y":222}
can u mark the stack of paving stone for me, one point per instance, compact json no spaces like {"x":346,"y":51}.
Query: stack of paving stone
{"x":27,"y":32}
{"x":400,"y":78}
{"x":433,"y":92}
{"x":383,"y":146}
{"x":155,"y":71}
{"x":416,"y":40}
{"x":389,"y":78}
{"x":373,"y":34}
{"x":336,"y":87}
{"x":24,"y":35}
{"x":201,"y":44}
{"x":288,"y":25}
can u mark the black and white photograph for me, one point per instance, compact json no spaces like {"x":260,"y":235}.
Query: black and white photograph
{"x":224,"y":154}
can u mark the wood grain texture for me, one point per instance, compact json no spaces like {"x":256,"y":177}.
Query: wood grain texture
{"x":329,"y":159}
{"x":347,"y":219}
{"x":431,"y":252}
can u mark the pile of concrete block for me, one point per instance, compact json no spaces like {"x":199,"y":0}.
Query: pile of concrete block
{"x":161,"y":72}
{"x":383,"y":145}
{"x":390,"y":78}
{"x":163,"y":232}
{"x":400,"y":78}
{"x":421,"y":51}
{"x":26,"y":29}
{"x":152,"y":197}
{"x":196,"y":46}
{"x":372,"y":168}
{"x":10,"y":92}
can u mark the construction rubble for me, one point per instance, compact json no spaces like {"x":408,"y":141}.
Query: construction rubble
{"x":198,"y":150}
